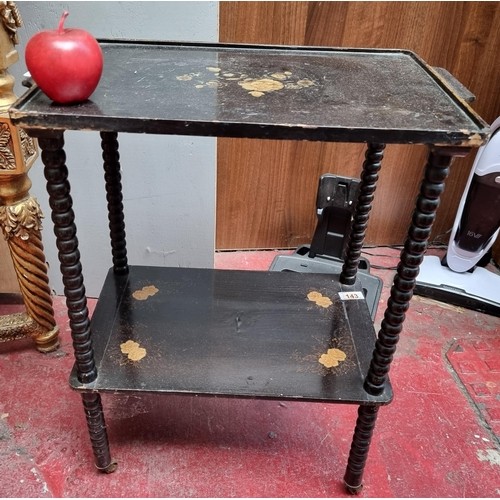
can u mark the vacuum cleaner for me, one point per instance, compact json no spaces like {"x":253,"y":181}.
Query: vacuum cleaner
{"x":335,"y":203}
{"x":460,"y":278}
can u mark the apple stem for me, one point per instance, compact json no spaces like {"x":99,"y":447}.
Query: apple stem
{"x":60,"y":28}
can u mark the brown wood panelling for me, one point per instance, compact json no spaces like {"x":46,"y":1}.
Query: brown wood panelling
{"x":267,"y":189}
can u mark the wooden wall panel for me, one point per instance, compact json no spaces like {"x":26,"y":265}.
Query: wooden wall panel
{"x":267,"y":189}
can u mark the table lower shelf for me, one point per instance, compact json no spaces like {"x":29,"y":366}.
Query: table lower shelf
{"x":251,"y":334}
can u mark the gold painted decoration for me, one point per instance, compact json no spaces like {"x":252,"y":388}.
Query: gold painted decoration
{"x":319,"y":299}
{"x":332,"y":358}
{"x":18,"y":151}
{"x":7,"y":159}
{"x":11,"y":20}
{"x":21,"y":220}
{"x":256,"y":87}
{"x":145,"y":292}
{"x":261,"y":86}
{"x":28,"y":147}
{"x":133,"y":350}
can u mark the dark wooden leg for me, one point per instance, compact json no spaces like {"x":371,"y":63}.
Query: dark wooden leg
{"x":112,"y":177}
{"x":365,"y":424}
{"x":411,"y":257}
{"x":369,"y":177}
{"x":97,"y":431}
{"x":367,"y":415}
{"x":432,"y":186}
{"x":61,"y":203}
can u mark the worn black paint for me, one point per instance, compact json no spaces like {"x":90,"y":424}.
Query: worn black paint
{"x":366,"y":95}
{"x":232,"y":333}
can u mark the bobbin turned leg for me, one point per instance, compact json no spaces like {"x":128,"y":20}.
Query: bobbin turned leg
{"x":432,"y":186}
{"x":92,"y":405}
{"x":114,"y":197}
{"x":367,"y":415}
{"x":365,"y":425}
{"x":411,"y":257}
{"x":369,"y":177}
{"x":56,"y":174}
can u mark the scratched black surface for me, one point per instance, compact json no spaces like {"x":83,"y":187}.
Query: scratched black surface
{"x":231,"y":333}
{"x":353,"y":95}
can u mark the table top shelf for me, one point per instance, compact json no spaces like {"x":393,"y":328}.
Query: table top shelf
{"x":325,"y":94}
{"x":226,"y":333}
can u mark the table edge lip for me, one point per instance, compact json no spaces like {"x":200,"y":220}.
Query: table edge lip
{"x":383,"y":399}
{"x":250,"y":46}
{"x":41,"y":126}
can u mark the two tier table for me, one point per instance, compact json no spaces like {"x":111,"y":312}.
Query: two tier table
{"x":248,"y":334}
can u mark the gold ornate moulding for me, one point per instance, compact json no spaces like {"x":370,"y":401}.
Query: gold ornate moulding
{"x":20,"y":214}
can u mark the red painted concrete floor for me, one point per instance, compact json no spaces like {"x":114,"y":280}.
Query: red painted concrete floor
{"x":435,"y":440}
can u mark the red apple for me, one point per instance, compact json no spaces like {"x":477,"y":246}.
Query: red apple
{"x":65,"y":63}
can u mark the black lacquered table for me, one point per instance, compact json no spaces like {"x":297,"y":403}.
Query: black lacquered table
{"x":289,"y":336}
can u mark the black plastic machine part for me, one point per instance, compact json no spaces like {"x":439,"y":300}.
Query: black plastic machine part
{"x":335,"y":204}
